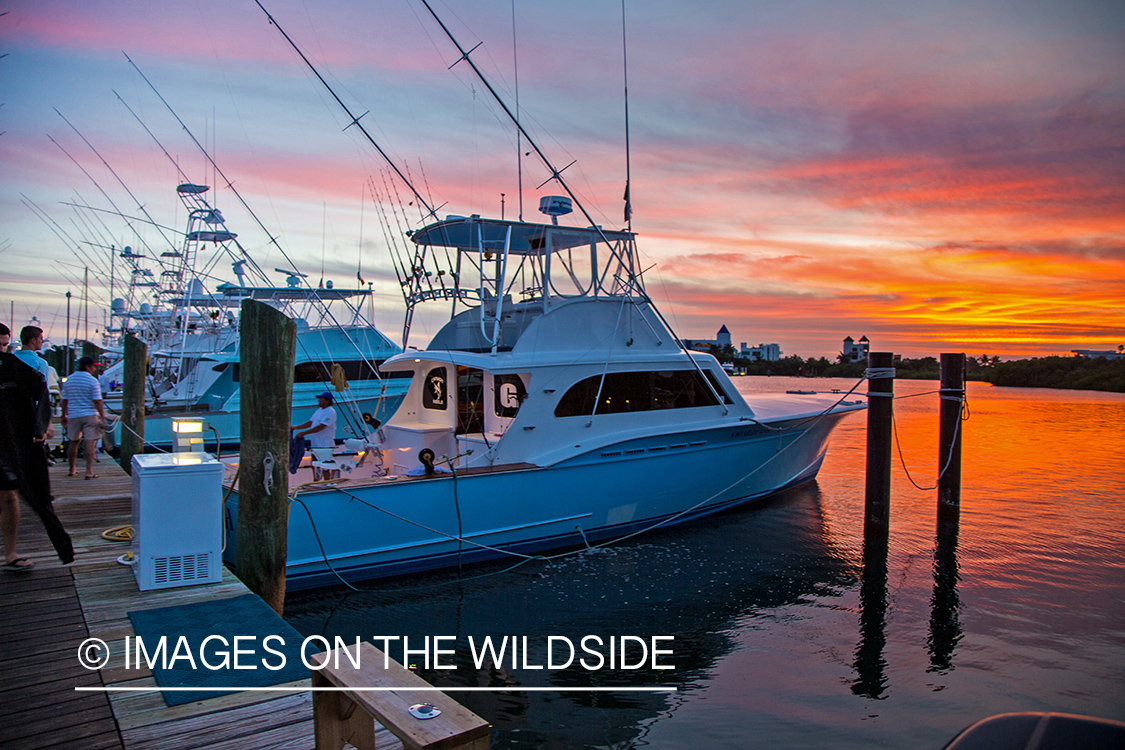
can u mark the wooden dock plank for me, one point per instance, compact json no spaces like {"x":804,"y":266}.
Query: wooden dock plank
{"x":47,"y":613}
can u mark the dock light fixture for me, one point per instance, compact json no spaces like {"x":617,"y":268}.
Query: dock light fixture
{"x":187,"y":434}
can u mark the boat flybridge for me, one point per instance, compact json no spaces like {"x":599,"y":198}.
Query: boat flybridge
{"x":554,"y":409}
{"x":191,"y":327}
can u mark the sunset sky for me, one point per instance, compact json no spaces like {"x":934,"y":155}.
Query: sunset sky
{"x":937,"y":176}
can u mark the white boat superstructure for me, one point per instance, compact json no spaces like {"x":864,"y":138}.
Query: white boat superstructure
{"x":569,"y":416}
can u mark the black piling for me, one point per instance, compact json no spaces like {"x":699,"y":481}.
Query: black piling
{"x":880,"y":411}
{"x":949,"y":451}
{"x":268,"y":342}
{"x":133,"y":401}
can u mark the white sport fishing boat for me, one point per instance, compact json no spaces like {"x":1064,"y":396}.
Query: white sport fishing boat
{"x":557,"y":409}
{"x":568,"y":417}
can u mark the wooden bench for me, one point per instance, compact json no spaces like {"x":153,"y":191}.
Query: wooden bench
{"x":349,"y":715}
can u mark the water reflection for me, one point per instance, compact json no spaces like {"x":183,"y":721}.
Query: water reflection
{"x":702,"y":584}
{"x":1022,"y":608}
{"x":945,"y":605}
{"x":869,"y":664}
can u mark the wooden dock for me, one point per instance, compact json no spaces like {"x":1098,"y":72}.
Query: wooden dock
{"x":45,"y":614}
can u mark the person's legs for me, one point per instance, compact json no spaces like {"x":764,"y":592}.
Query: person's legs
{"x":9,"y":523}
{"x":75,"y":429}
{"x":91,"y":448}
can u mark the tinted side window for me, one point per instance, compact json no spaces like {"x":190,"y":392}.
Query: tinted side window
{"x":311,"y":372}
{"x":509,"y":394}
{"x":622,"y":392}
{"x":718,"y":388}
{"x":434,"y":390}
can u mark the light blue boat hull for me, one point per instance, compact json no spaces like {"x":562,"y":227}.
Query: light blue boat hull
{"x":412,"y":525}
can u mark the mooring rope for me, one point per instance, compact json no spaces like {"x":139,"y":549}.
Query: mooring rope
{"x":964,"y":417}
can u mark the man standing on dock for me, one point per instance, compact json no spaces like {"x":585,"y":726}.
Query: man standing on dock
{"x":25,"y":422}
{"x":83,"y":414}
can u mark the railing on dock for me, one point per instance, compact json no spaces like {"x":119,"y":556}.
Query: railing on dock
{"x":344,"y":711}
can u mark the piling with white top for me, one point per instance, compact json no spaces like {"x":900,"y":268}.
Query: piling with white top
{"x":949,"y":442}
{"x":880,"y":412}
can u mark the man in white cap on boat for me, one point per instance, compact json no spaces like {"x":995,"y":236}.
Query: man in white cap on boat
{"x":321,"y":432}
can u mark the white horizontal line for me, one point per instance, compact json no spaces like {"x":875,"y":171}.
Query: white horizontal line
{"x":333,"y":689}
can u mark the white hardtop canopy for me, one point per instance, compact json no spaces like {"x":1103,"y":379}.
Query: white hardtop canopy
{"x":470,"y":233}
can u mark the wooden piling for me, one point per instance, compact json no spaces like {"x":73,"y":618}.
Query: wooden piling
{"x":268,"y":342}
{"x":133,"y":401}
{"x":880,"y":410}
{"x":949,"y":450}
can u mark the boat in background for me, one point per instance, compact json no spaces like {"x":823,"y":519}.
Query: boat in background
{"x":190,"y":324}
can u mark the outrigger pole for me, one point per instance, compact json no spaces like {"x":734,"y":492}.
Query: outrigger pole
{"x":556,"y":174}
{"x":354,"y":119}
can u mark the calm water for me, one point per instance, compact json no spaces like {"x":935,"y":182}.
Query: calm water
{"x":787,"y":633}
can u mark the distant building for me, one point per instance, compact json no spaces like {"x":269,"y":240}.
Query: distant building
{"x":721,"y":340}
{"x":761,"y":352}
{"x":1098,"y":354}
{"x":856,"y":351}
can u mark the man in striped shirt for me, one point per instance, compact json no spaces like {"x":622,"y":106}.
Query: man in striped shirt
{"x":83,"y":414}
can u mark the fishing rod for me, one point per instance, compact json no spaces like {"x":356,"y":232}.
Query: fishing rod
{"x":273,"y":240}
{"x":556,"y":174}
{"x":261,"y":275}
{"x":122,"y":214}
{"x":64,"y":236}
{"x":314,"y":298}
{"x":635,"y":282}
{"x":114,"y":173}
{"x":118,"y":214}
{"x":430,"y":211}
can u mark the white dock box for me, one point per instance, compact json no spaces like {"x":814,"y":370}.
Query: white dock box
{"x":177,"y":519}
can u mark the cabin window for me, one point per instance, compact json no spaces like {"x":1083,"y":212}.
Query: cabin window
{"x":434,"y":390}
{"x":623,"y":392}
{"x":470,"y":400}
{"x":509,"y":392}
{"x":718,"y":388}
{"x":312,"y":372}
{"x":321,"y":372}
